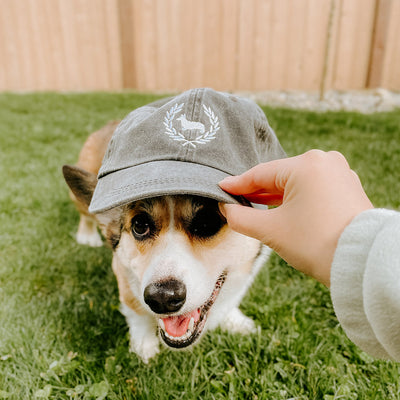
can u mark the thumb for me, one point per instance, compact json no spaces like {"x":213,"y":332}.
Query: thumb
{"x":259,"y":224}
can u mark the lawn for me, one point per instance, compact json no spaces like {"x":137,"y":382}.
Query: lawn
{"x":61,"y":334}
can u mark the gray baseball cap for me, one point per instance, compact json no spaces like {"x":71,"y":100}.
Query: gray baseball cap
{"x":184,"y":145}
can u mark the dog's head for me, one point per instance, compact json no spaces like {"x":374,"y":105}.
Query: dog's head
{"x":176,"y":254}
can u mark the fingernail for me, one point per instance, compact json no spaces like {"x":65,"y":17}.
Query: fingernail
{"x":228,"y":179}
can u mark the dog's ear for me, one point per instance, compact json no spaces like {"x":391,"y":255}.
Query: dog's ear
{"x":81,"y":182}
{"x":111,"y":223}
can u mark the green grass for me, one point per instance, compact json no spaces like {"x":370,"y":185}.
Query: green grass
{"x":61,"y":335}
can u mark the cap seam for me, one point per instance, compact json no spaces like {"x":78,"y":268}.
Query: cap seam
{"x":195,"y":95}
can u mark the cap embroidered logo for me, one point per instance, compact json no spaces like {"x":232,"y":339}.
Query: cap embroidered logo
{"x":203,"y":136}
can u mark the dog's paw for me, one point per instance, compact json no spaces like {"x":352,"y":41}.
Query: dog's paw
{"x":89,"y":239}
{"x":146,"y":348}
{"x":237,"y":322}
{"x":142,"y":331}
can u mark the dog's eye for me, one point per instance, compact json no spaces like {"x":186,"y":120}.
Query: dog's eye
{"x":206,"y":223}
{"x":142,"y":226}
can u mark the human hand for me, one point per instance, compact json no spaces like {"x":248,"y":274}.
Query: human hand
{"x":318,"y":196}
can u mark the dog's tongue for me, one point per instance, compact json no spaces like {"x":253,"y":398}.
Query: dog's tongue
{"x":178,"y":325}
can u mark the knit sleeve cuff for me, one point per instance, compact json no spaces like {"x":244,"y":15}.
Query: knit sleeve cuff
{"x":347,"y":279}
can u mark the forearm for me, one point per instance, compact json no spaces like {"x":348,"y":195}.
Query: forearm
{"x":365,"y":282}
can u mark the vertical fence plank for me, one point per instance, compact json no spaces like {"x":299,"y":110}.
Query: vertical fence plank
{"x":364,"y":13}
{"x":189,"y":39}
{"x":127,"y":44}
{"x":145,"y":43}
{"x":55,"y":52}
{"x":385,"y":53}
{"x":262,"y":45}
{"x":21,"y":52}
{"x":354,"y":39}
{"x":162,"y":25}
{"x":297,"y":17}
{"x":228,"y":50}
{"x":197,"y":55}
{"x":176,"y":33}
{"x":212,"y":43}
{"x":279,"y":27}
{"x":3,"y":47}
{"x":33,"y":33}
{"x":316,"y":44}
{"x":114,"y":45}
{"x":380,"y":32}
{"x":391,"y":72}
{"x":331,"y":45}
{"x":9,"y":66}
{"x":246,"y":57}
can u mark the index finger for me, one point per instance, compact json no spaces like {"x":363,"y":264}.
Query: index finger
{"x":267,"y":178}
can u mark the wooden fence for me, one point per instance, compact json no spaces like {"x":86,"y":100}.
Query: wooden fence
{"x":176,"y":44}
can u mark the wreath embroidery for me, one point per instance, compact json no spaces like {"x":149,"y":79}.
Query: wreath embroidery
{"x":203,"y":136}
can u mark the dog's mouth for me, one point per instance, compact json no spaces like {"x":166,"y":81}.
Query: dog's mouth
{"x":180,"y":331}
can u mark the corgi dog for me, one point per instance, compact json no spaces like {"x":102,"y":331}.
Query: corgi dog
{"x":150,"y":183}
{"x":180,"y":269}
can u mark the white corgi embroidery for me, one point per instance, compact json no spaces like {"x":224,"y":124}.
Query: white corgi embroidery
{"x":188,"y":125}
{"x":203,"y":136}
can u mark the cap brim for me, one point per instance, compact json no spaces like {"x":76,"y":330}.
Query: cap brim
{"x":159,"y":178}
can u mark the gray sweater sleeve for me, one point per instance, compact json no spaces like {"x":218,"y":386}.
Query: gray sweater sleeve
{"x":365,"y":282}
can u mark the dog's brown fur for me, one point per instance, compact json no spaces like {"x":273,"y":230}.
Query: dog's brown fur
{"x":91,"y":157}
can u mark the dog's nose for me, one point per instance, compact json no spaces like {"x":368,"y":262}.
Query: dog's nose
{"x":165,"y":297}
